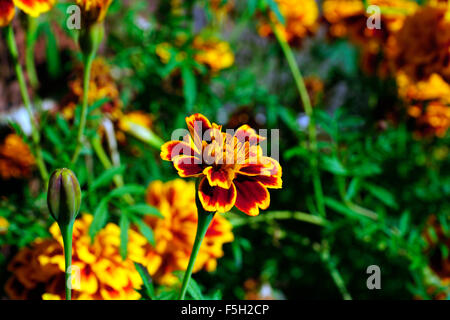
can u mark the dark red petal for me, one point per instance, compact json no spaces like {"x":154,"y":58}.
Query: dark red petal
{"x":251,"y":196}
{"x":216,"y":198}
{"x":187,"y":166}
{"x":171,"y":149}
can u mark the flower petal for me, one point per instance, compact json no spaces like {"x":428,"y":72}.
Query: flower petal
{"x":34,"y":8}
{"x":187,"y":166}
{"x":171,"y":149}
{"x":221,"y":177}
{"x":246,"y":133}
{"x":7,"y":11}
{"x":197,"y":125}
{"x":216,"y":198}
{"x":251,"y":196}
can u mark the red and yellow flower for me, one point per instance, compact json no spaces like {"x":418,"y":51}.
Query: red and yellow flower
{"x":231,"y":168}
{"x":33,"y":8}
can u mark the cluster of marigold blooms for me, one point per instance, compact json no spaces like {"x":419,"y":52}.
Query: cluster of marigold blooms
{"x":412,"y":45}
{"x":38,"y":270}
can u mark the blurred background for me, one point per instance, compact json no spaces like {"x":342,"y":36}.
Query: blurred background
{"x":377,"y":74}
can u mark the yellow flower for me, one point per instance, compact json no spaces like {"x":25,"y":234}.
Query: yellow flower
{"x":94,"y":10}
{"x":38,"y":271}
{"x":209,"y":51}
{"x":16,"y":160}
{"x":301,"y":19}
{"x":174,"y":235}
{"x":4,"y":225}
{"x":33,"y":8}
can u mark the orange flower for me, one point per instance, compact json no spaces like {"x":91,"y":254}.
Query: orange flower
{"x":7,"y":11}
{"x":94,"y":10}
{"x":231,"y":168}
{"x":175,"y":234}
{"x":16,"y":160}
{"x":301,"y":19}
{"x":38,"y":271}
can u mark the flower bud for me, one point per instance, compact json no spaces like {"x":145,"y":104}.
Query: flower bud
{"x":64,"y":196}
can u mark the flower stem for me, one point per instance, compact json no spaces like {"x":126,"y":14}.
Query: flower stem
{"x":204,"y":220}
{"x":84,"y":108}
{"x":312,"y":132}
{"x":12,"y":47}
{"x":66,"y":232}
{"x":29,"y":52}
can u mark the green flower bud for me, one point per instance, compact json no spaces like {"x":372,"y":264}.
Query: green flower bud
{"x":90,"y":39}
{"x":64,"y":196}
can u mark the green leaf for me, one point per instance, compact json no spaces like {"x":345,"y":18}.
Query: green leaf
{"x":353,"y":188}
{"x":145,"y":230}
{"x":106,"y":177}
{"x":124,"y":225}
{"x":143,"y":209}
{"x":339,"y":207}
{"x":52,"y":51}
{"x":100,"y":217}
{"x":189,"y":87}
{"x":252,"y":5}
{"x":146,"y":279}
{"x":333,"y":165}
{"x":382,"y":194}
{"x":194,"y":290}
{"x":127,"y":189}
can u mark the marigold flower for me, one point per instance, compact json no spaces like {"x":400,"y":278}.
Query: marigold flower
{"x":94,"y":11}
{"x":231,"y":169}
{"x":34,"y":8}
{"x":422,"y":46}
{"x":301,"y":19}
{"x":38,"y":271}
{"x":16,"y":160}
{"x":174,"y":235}
{"x":7,"y":11}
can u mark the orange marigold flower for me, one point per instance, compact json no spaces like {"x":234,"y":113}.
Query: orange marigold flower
{"x":94,"y":11}
{"x":16,"y":160}
{"x":213,"y":53}
{"x":175,"y":234}
{"x":7,"y":11}
{"x":38,"y":271}
{"x":422,"y":46}
{"x":231,"y":168}
{"x":301,"y":19}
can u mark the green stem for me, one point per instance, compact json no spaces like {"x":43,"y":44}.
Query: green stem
{"x":84,"y":108}
{"x":204,"y":220}
{"x":12,"y":47}
{"x":281,"y":215}
{"x":66,"y":232}
{"x":29,"y":52}
{"x":312,"y":132}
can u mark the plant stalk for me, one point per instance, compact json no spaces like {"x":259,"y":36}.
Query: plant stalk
{"x":204,"y":220}
{"x":66,"y":232}
{"x":312,"y":132}
{"x":12,"y":47}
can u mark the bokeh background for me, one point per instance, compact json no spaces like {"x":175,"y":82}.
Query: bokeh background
{"x":380,"y":101}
